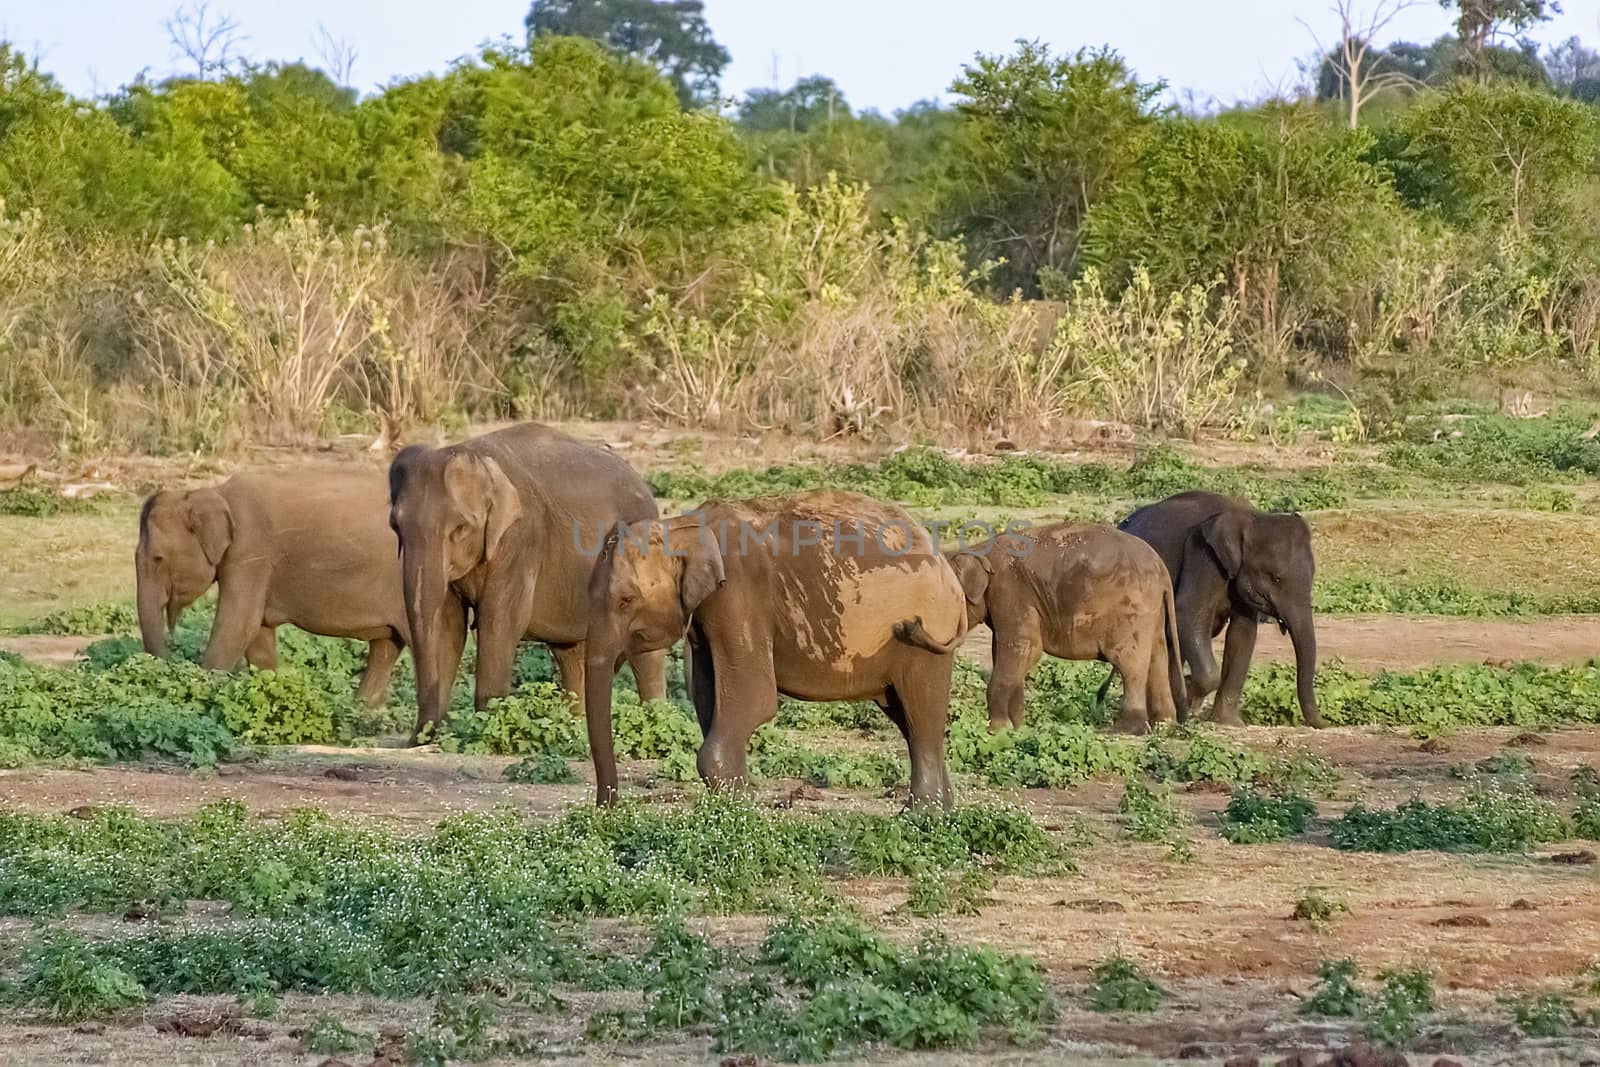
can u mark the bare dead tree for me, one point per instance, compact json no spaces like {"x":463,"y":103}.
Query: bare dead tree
{"x":1354,"y":64}
{"x":338,"y":55}
{"x":206,"y":38}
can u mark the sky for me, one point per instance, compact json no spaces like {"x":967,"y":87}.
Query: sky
{"x":884,"y":54}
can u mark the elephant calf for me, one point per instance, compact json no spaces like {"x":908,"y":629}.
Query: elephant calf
{"x":311,"y":549}
{"x":811,"y":596}
{"x":1233,"y":566}
{"x":1076,"y":591}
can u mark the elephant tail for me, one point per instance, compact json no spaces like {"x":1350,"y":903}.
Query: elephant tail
{"x":1180,"y":689}
{"x":913,"y":633}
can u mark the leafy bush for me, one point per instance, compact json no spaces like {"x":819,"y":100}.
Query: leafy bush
{"x":1336,"y":993}
{"x":66,"y":979}
{"x":1393,"y":1014}
{"x":1314,"y":907}
{"x":41,"y":501}
{"x":1488,"y":821}
{"x":1118,"y":984}
{"x":546,"y":768}
{"x":326,"y":1035}
{"x":106,"y":617}
{"x":1253,"y":818}
{"x":1542,"y":1014}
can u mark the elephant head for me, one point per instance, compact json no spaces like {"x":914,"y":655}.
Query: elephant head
{"x":648,"y":581}
{"x":451,"y":511}
{"x":1268,"y":562}
{"x":974,"y":570}
{"x":182,"y":539}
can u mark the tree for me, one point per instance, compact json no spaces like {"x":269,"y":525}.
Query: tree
{"x":338,"y":55}
{"x":1041,"y":138}
{"x":208,"y":39}
{"x":671,"y":35}
{"x":1356,"y":69}
{"x":1574,"y":68}
{"x":1480,"y":22}
{"x":1499,"y":154}
{"x":811,"y":102}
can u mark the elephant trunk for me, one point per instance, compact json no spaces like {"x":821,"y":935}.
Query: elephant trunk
{"x":599,"y":668}
{"x":423,"y":578}
{"x":154,"y":613}
{"x":1303,"y":634}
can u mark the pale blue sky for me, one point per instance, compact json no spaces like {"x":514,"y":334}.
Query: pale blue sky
{"x":883,"y":53}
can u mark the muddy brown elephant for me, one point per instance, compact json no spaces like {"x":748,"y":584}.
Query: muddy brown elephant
{"x":507,"y":525}
{"x":1232,"y":567}
{"x":312,"y":549}
{"x":1076,"y":591}
{"x":806,"y":596}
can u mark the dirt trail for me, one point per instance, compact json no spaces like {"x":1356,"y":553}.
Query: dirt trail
{"x":1404,"y":642}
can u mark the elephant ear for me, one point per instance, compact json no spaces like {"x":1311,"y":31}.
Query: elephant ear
{"x":1224,"y":535}
{"x":703,"y":572}
{"x":211,"y":522}
{"x":973,"y":571}
{"x":480,"y":489}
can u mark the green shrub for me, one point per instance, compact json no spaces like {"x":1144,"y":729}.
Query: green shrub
{"x":1488,"y":821}
{"x":1118,"y":984}
{"x":1542,"y":1014}
{"x":1586,"y":820}
{"x":1393,"y":1016}
{"x":41,"y":501}
{"x":66,"y":979}
{"x":546,"y":768}
{"x":1253,"y":818}
{"x":106,"y":617}
{"x":326,"y":1035}
{"x":1336,"y":993}
{"x":1315,"y":907}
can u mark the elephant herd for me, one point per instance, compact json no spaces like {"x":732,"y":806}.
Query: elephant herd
{"x":527,"y":533}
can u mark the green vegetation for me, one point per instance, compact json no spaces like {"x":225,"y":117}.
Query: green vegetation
{"x":89,"y":619}
{"x":37,"y":501}
{"x":1314,"y":906}
{"x":1336,"y":993}
{"x":1394,"y":1014}
{"x":1253,"y":818}
{"x":1119,"y":984}
{"x":1486,"y":821}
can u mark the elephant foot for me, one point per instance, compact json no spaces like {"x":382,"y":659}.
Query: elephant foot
{"x":1315,"y":721}
{"x":1227,"y":717}
{"x":999,"y":726}
{"x":1131,"y":724}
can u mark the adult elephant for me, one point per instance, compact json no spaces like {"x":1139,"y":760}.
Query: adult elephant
{"x":1077,"y":591}
{"x":1233,"y":566}
{"x":498,"y":524}
{"x":312,"y":549}
{"x":811,"y":596}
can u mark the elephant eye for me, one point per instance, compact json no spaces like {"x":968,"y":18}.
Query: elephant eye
{"x":625,"y":600}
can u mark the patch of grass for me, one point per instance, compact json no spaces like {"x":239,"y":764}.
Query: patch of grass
{"x":1494,"y":449}
{"x":42,"y":501}
{"x":1361,"y":594}
{"x":1153,"y":816}
{"x":65,"y":979}
{"x":1542,"y":1014}
{"x":1393,"y":1016}
{"x":1120,"y":985}
{"x":1487,"y":821}
{"x":1586,"y":820}
{"x":103,"y":617}
{"x":1315,"y":907}
{"x":958,"y":891}
{"x":326,"y":1035}
{"x":1253,"y":818}
{"x":547,"y":768}
{"x":1336,"y":994}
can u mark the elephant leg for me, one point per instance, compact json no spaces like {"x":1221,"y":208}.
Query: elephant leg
{"x":1017,"y":650}
{"x":569,"y":667}
{"x":262,"y":652}
{"x":650,"y":674}
{"x":923,"y":698}
{"x":1132,"y":661}
{"x":1158,"y":680}
{"x":1237,"y":649}
{"x":746,"y":697}
{"x":241,"y":603}
{"x":499,"y":632}
{"x":374,"y":686}
{"x":1194,"y":641}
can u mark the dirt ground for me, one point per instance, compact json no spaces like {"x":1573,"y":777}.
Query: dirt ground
{"x":1216,"y":932}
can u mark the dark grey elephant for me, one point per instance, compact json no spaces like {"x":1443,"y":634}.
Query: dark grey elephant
{"x":1233,"y":566}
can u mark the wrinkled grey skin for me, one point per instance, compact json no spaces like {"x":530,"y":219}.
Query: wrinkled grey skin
{"x":507,"y":526}
{"x":1233,"y":566}
{"x":312,"y":549}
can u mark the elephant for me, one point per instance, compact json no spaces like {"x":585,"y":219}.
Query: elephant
{"x":811,"y":596}
{"x":1233,"y":566}
{"x":507,"y":525}
{"x":1076,"y":591}
{"x":311,"y":549}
